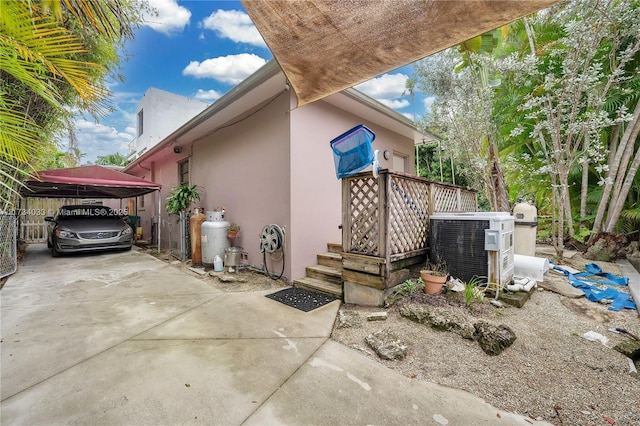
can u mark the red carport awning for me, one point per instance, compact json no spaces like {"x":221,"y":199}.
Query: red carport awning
{"x":86,"y":182}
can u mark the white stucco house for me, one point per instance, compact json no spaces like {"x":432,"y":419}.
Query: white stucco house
{"x":157,"y":114}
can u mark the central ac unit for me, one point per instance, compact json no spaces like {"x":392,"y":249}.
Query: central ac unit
{"x":478,"y":244}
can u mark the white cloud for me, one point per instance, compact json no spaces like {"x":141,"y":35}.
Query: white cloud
{"x":208,"y":95}
{"x":166,"y":16}
{"x":387,"y":86}
{"x":428,"y":102}
{"x":95,"y":139}
{"x":234,"y":25}
{"x":387,"y":89}
{"x":230,"y":69}
{"x":395,"y":103}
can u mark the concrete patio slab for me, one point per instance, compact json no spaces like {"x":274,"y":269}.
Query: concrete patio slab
{"x":247,"y":315}
{"x":341,"y":386}
{"x":163,"y":382}
{"x":122,"y":338}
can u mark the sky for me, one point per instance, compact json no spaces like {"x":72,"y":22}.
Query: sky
{"x":199,"y":49}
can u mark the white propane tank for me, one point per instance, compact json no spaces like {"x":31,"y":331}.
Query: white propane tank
{"x":214,"y":237}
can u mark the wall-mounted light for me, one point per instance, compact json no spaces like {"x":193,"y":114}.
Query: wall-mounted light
{"x":177,"y":149}
{"x":386,"y":154}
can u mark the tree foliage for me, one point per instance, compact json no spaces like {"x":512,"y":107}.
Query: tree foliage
{"x":564,"y":96}
{"x":55,"y":57}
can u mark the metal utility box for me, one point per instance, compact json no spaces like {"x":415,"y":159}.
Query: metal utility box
{"x":526,"y":228}
{"x":476,"y":244}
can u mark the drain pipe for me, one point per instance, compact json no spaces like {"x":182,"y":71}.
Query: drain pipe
{"x":522,"y":284}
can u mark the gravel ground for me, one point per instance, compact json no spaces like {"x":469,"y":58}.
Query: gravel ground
{"x":550,"y":372}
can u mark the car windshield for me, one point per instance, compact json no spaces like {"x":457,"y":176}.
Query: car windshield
{"x":86,"y":212}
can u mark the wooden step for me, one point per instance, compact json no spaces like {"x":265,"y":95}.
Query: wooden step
{"x":334,"y":247}
{"x":325,"y":273}
{"x":330,"y":259}
{"x":319,"y":286}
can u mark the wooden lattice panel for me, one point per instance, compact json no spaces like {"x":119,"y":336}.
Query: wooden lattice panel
{"x":364,"y":221}
{"x":445,"y":199}
{"x":468,"y":201}
{"x":408,"y":223}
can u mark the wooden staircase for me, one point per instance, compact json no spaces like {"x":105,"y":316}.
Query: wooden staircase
{"x":326,"y":276}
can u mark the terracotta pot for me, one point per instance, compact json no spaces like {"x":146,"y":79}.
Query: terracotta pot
{"x":432,"y":283}
{"x":232,"y":234}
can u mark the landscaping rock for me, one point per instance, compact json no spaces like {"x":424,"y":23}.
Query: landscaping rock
{"x":348,"y":319}
{"x":377,"y":316}
{"x":494,"y":339}
{"x":386,"y":345}
{"x":629,"y":348}
{"x":440,"y":319}
{"x":229,"y":278}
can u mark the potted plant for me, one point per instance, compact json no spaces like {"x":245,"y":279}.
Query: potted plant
{"x":434,"y":276}
{"x":181,"y":197}
{"x":233,"y":230}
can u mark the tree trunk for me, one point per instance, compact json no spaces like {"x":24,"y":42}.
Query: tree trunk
{"x":497,"y":180}
{"x":629,"y":136}
{"x":584,"y":187}
{"x":614,"y":215}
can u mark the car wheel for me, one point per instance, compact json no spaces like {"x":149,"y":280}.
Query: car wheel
{"x":54,"y":251}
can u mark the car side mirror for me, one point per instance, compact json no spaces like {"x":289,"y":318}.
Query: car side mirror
{"x":48,"y":219}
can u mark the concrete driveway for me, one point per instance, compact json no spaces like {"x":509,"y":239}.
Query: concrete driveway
{"x":123,"y":338}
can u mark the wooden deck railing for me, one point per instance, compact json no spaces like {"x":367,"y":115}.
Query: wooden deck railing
{"x":389,"y":216}
{"x":385,"y":223}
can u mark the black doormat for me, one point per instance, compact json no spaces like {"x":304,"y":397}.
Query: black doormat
{"x":301,"y":298}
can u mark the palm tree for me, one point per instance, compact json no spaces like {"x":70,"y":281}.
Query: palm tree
{"x":55,"y":55}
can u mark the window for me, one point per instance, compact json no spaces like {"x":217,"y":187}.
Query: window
{"x":140,"y":122}
{"x":183,"y":172}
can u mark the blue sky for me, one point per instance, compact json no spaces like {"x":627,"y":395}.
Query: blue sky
{"x":199,"y":49}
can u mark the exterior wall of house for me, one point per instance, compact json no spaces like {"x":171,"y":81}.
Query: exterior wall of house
{"x":162,"y":113}
{"x":245,"y":168}
{"x":316,"y":193}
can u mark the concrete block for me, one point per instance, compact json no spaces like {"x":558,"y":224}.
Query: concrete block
{"x":362,"y":295}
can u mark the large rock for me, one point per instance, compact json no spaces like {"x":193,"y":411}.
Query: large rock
{"x":348,"y":319}
{"x":440,"y":318}
{"x":629,"y":348}
{"x":386,"y":345}
{"x":494,"y":339}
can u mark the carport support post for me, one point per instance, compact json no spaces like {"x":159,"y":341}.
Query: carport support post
{"x":159,"y":219}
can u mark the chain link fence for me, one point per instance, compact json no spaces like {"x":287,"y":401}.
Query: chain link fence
{"x":8,"y":245}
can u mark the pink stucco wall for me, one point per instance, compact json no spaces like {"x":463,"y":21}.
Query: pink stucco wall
{"x":275,"y":166}
{"x":316,"y":193}
{"x":245,"y":168}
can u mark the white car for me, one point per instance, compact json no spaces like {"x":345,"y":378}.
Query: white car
{"x":87,"y":228}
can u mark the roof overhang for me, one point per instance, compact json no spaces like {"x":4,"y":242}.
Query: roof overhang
{"x":325,"y":46}
{"x":369,"y":109}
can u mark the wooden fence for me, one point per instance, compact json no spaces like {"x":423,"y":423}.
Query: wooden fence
{"x":31,"y":214}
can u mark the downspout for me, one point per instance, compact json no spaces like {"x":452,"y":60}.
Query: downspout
{"x":159,"y":219}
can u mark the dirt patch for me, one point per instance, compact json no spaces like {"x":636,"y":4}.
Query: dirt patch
{"x":244,"y":280}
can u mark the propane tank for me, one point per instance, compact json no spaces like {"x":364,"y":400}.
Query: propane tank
{"x":195,"y":229}
{"x":214,"y":237}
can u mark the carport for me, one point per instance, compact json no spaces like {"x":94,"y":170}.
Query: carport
{"x":90,"y":181}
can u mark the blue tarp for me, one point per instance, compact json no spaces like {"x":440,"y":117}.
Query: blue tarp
{"x":593,"y":275}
